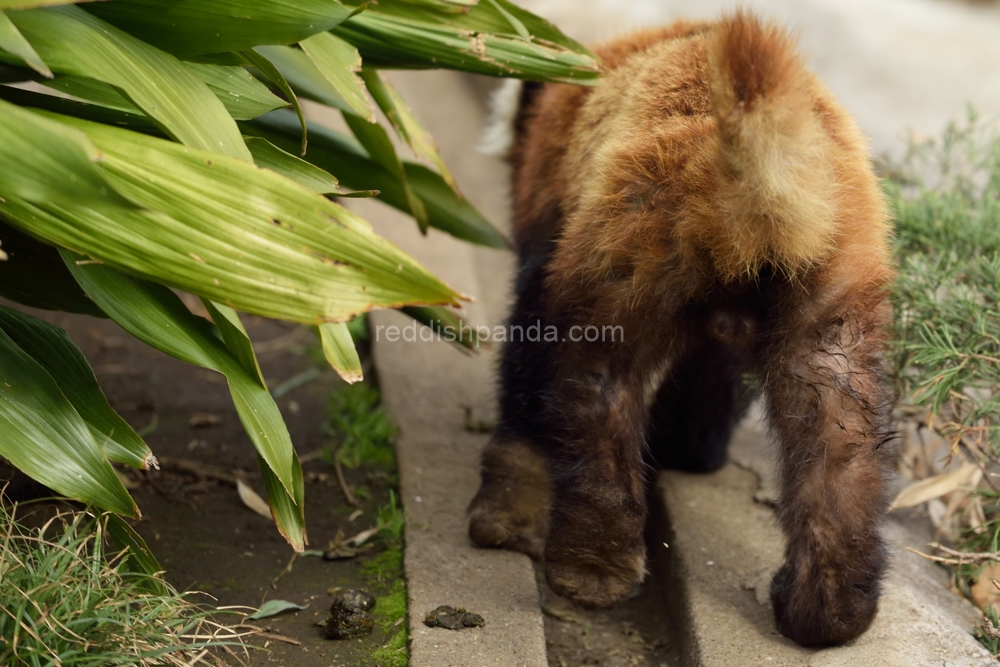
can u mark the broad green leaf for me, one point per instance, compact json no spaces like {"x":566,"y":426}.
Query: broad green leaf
{"x":234,"y":335}
{"x":489,"y":39}
{"x":288,"y":512}
{"x":139,"y":558}
{"x":339,"y":63}
{"x":52,"y":348}
{"x":94,"y":92}
{"x":273,"y":608}
{"x":376,"y":141}
{"x":30,"y":4}
{"x":45,"y":437}
{"x":42,"y":160}
{"x":78,"y":109}
{"x":299,"y":71}
{"x":13,"y":42}
{"x":268,"y":156}
{"x":191,"y":27}
{"x":405,"y":123}
{"x":33,"y":273}
{"x":228,"y":231}
{"x":343,"y":156}
{"x":446,"y":324}
{"x":339,"y":350}
{"x":266,"y":68}
{"x":243,"y":96}
{"x":72,"y":41}
{"x":156,"y":316}
{"x":456,"y":6}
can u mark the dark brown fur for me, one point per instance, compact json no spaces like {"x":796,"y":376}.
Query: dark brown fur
{"x":713,"y":201}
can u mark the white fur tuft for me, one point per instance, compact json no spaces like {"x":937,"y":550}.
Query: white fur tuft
{"x":498,"y":137}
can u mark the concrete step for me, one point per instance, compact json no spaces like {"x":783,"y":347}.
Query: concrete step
{"x":724,"y":546}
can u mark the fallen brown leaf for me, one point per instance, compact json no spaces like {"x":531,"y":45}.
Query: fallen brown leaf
{"x":252,"y":500}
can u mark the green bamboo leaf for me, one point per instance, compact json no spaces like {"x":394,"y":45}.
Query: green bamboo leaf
{"x":226,"y":230}
{"x":45,"y":161}
{"x":342,"y":155}
{"x":33,"y":273}
{"x":78,"y":109}
{"x":52,"y":348}
{"x":339,"y":63}
{"x":72,"y":41}
{"x":446,"y":324}
{"x":12,"y":41}
{"x":94,"y":92}
{"x":266,"y":68}
{"x":243,"y":96}
{"x":491,"y":38}
{"x":234,"y":335}
{"x":299,"y":71}
{"x":376,"y":141}
{"x":268,"y":156}
{"x":405,"y":123}
{"x":288,"y":512}
{"x":156,"y":316}
{"x":191,"y":27}
{"x":339,"y":350}
{"x":139,"y":558}
{"x":45,"y":437}
{"x":31,"y":4}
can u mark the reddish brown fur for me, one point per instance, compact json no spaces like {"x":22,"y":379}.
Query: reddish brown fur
{"x":713,"y":200}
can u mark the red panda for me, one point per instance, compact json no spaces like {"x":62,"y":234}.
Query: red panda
{"x":713,"y":209}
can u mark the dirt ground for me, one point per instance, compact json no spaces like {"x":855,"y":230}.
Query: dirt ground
{"x":208,"y":540}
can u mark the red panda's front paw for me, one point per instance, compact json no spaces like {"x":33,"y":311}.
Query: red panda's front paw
{"x":594,"y":579}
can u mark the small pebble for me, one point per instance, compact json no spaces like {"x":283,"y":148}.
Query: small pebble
{"x":453,"y":619}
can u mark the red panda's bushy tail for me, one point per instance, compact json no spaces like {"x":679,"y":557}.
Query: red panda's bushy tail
{"x":777,"y":182}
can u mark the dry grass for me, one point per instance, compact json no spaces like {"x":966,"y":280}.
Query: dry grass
{"x":66,"y":600}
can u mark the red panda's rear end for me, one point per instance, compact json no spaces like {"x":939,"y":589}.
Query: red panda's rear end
{"x":713,"y":203}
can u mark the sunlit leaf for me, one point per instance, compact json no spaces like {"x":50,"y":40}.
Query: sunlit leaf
{"x":269,"y":156}
{"x":343,"y":156}
{"x":339,"y":63}
{"x":379,"y":146}
{"x":72,"y":41}
{"x":52,"y":348}
{"x":446,"y":324}
{"x":339,"y":350}
{"x":226,"y":230}
{"x":234,"y":335}
{"x":12,"y":41}
{"x":189,"y":27}
{"x":288,"y":512}
{"x":267,"y":68}
{"x":488,"y":39}
{"x":45,"y":437}
{"x":405,"y":123}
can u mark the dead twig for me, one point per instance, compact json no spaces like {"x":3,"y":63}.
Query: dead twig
{"x":200,"y":470}
{"x":955,"y":557}
{"x":261,"y":632}
{"x":348,"y":494}
{"x":288,"y":568}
